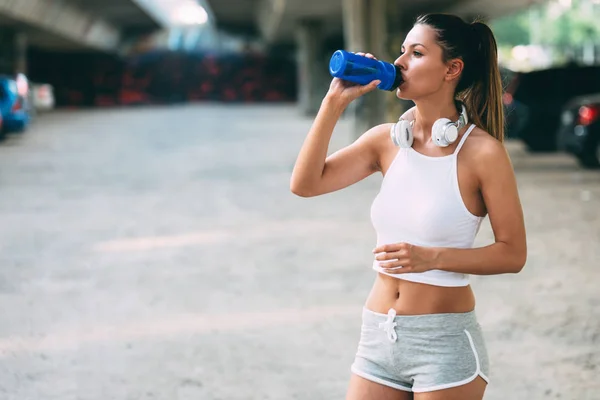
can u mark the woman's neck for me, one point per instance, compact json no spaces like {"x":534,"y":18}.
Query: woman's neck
{"x":429,"y":111}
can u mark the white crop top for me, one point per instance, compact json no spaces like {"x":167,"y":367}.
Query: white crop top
{"x":420,"y":203}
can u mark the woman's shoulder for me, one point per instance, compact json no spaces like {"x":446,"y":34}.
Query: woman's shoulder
{"x":480,"y":144}
{"x":379,"y":141}
{"x":484,"y":151}
{"x":381,"y":131}
{"x":379,"y":136}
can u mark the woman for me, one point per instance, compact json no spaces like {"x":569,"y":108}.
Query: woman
{"x":420,"y":338}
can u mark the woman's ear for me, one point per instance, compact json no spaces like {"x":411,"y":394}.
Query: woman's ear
{"x":455,"y":68}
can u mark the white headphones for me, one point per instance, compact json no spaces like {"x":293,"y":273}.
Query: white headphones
{"x":444,"y":132}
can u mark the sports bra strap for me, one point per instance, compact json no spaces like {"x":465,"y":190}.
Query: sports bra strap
{"x":462,"y":140}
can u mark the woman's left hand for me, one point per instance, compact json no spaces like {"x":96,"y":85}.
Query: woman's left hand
{"x":410,"y":257}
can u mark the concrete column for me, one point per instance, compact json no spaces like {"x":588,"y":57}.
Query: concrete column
{"x":365,"y":30}
{"x":13,"y":58}
{"x":399,"y":24}
{"x":20,"y":55}
{"x":378,"y":34}
{"x":6,"y":58}
{"x":312,"y":69}
{"x":355,"y":24}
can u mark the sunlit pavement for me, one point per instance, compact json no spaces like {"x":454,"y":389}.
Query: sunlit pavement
{"x":157,"y":253}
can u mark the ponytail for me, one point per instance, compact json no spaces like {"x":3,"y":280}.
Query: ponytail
{"x":483,"y":98}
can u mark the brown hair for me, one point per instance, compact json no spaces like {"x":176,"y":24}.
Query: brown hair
{"x":480,"y":85}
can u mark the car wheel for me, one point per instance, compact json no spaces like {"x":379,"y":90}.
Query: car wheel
{"x":590,"y":158}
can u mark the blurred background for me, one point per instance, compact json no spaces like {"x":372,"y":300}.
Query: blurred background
{"x":150,"y":247}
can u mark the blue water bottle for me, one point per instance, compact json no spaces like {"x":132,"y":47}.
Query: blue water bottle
{"x":363,"y":70}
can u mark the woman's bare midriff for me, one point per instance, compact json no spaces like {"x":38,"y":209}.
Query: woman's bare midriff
{"x":412,"y":298}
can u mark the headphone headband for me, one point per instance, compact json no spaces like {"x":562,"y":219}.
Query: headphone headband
{"x":463,"y":118}
{"x":443,"y":132}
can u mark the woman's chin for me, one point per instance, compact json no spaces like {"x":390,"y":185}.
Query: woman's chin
{"x":401,"y":94}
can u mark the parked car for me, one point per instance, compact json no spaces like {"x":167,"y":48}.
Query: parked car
{"x":534,"y":101}
{"x":579,"y":132}
{"x":14,"y":106}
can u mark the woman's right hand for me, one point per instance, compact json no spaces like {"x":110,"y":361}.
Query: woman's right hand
{"x":346,"y":92}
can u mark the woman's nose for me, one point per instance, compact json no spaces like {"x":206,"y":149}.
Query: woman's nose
{"x":399,"y":62}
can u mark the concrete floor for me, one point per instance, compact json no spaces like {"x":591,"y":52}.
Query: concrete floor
{"x":157,"y":253}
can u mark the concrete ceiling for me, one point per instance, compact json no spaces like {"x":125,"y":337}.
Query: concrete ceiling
{"x":235,"y":15}
{"x":491,"y":9}
{"x":126,"y":14}
{"x":37,"y":37}
{"x":76,"y":24}
{"x":244,"y":16}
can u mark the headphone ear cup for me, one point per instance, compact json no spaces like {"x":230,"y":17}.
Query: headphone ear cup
{"x":401,"y":133}
{"x":444,"y":132}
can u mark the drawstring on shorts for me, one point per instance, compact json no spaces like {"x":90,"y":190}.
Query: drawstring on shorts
{"x":389,"y":325}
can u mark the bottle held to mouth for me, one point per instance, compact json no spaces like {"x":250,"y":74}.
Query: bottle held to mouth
{"x":363,"y":70}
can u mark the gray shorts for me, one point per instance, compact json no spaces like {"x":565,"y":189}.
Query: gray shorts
{"x":421,"y":353}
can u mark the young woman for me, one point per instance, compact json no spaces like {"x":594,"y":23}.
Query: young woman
{"x":420,"y":338}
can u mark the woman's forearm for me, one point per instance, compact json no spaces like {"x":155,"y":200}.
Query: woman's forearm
{"x":497,"y":258}
{"x":311,"y":158}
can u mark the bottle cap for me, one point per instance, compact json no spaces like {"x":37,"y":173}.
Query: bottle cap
{"x":397,"y":79}
{"x":337,"y":64}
